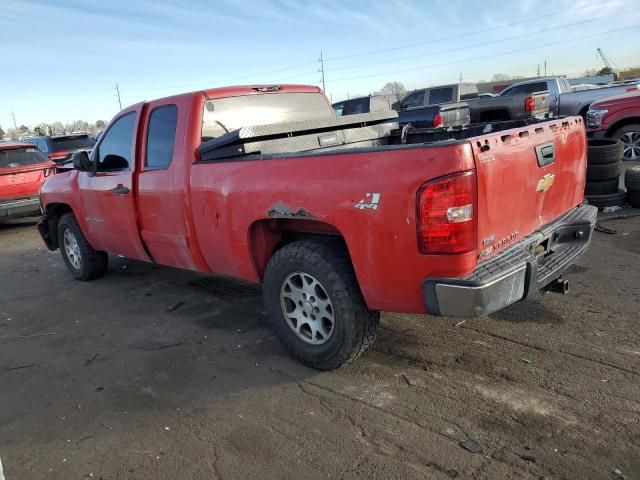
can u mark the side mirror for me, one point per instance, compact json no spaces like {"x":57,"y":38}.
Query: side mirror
{"x":81,"y":162}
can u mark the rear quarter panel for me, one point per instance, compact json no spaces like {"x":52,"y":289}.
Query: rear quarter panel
{"x":229,"y":198}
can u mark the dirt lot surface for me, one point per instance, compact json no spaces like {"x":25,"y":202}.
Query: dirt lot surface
{"x":154,"y":373}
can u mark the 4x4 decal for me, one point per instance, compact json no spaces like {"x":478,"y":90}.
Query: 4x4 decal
{"x":370,"y":201}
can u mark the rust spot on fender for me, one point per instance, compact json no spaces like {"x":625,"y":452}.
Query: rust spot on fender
{"x":282,"y":210}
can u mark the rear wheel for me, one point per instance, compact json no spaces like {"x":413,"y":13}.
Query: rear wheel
{"x":315,"y":305}
{"x":83,"y":261}
{"x":629,"y":135}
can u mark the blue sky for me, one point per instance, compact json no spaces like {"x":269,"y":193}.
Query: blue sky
{"x":61,"y":58}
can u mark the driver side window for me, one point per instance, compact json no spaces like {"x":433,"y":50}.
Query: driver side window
{"x":115,"y":150}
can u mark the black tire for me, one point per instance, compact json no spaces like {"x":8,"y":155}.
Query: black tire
{"x":604,"y":151}
{"x":632,"y":178}
{"x":354,"y":325}
{"x":602,"y":201}
{"x":92,"y":263}
{"x":633,"y":199}
{"x":602,"y":172}
{"x":634,"y":130}
{"x":607,"y":187}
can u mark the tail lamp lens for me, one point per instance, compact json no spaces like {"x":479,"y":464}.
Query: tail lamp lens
{"x":59,"y":155}
{"x":529,"y":104}
{"x":446,"y":220}
{"x":438,"y":121}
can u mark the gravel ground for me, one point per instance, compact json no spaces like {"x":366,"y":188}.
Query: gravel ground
{"x":154,"y":373}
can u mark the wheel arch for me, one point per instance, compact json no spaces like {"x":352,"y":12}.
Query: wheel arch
{"x":623,"y":122}
{"x":267,"y":236}
{"x":53,"y":212}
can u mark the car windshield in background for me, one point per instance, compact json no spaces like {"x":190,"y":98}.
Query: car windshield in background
{"x":75,"y":142}
{"x":225,"y":115}
{"x":19,"y":157}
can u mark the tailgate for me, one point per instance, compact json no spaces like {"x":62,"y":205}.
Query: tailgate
{"x":527,"y":177}
{"x":455,"y":114}
{"x":22,"y":182}
{"x":540,"y":103}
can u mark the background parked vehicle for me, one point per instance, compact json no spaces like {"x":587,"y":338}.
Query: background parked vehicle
{"x":563,"y":101}
{"x":487,"y":109}
{"x":370,"y":103}
{"x":433,"y":116}
{"x":60,"y":148}
{"x":617,"y":117}
{"x":23,"y":169}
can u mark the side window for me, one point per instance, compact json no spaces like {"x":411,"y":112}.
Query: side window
{"x":114,"y":152}
{"x":161,"y":137}
{"x":413,"y":100}
{"x":353,"y":107}
{"x":42,"y":145}
{"x":440,"y":95}
{"x":338,"y":107}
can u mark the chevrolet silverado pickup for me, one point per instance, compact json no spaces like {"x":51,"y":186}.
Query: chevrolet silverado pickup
{"x":480,"y":109}
{"x":338,"y":217}
{"x":431,"y":116}
{"x":563,"y":99}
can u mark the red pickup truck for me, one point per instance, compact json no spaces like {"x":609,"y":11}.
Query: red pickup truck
{"x":339,"y":218}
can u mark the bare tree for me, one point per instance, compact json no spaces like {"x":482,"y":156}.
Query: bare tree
{"x":395,"y":88}
{"x":500,"y":77}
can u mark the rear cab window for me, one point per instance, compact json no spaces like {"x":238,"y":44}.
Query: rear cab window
{"x":21,"y":156}
{"x":525,"y":88}
{"x":356,"y":106}
{"x":440,"y":95}
{"x":224,"y":115}
{"x":161,"y":137}
{"x":414,"y":100}
{"x":72,"y":143}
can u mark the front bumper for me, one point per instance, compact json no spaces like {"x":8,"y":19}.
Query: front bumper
{"x":596,"y":134}
{"x":510,"y":276}
{"x":19,"y":207}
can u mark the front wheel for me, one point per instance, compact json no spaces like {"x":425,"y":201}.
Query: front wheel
{"x":83,"y":261}
{"x":315,"y":305}
{"x":629,"y":135}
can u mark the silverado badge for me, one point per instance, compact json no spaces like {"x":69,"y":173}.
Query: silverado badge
{"x":545,"y":182}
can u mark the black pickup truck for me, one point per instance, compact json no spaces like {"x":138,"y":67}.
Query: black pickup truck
{"x":420,"y":116}
{"x":481,"y":110}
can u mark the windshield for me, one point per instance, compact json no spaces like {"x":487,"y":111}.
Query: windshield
{"x":228,"y":114}
{"x":75,"y":142}
{"x":19,"y":157}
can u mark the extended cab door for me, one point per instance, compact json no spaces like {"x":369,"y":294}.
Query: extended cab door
{"x":161,"y":187}
{"x":108,"y":200}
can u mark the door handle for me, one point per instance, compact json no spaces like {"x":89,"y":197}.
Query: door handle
{"x":120,"y":190}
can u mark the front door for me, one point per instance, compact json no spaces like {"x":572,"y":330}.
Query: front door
{"x":108,"y":196}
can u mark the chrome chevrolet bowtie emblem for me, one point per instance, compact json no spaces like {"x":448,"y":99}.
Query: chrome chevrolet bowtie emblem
{"x":545,"y":182}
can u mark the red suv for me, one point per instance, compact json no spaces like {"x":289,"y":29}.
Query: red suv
{"x":23,"y":169}
{"x":617,"y":117}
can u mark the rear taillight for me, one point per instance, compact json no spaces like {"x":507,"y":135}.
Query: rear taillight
{"x":529,"y":104}
{"x":59,"y":155}
{"x":446,"y":219}
{"x":438,"y":121}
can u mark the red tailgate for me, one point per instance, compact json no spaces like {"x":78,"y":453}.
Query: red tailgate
{"x":517,"y":190}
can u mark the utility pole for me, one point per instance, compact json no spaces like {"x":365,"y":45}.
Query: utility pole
{"x":545,"y":67}
{"x":118,"y":93}
{"x":15,"y":125}
{"x":538,"y":70}
{"x":321,"y":60}
{"x":460,"y":78}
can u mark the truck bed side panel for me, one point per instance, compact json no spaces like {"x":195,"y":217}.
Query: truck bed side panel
{"x":228,"y":198}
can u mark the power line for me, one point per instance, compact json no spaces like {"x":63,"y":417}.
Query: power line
{"x":524,"y":49}
{"x":528,"y":20}
{"x":490,"y":42}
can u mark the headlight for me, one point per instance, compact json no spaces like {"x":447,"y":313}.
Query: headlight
{"x":595,"y":117}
